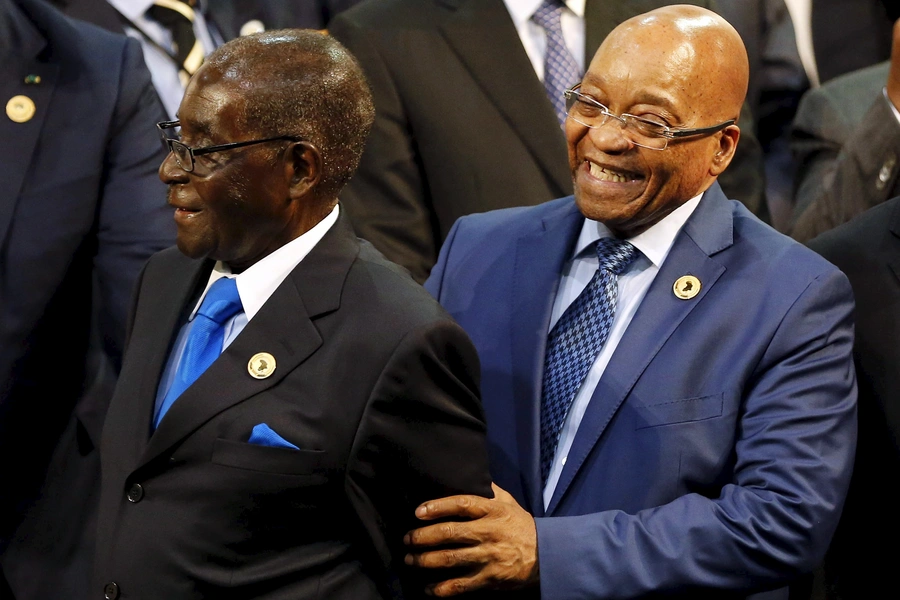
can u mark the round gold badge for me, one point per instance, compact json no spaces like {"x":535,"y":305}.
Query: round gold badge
{"x":686,"y":287}
{"x":20,"y":109}
{"x":261,"y":365}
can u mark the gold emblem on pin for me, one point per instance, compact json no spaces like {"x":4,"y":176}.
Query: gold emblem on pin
{"x":20,"y":109}
{"x":261,"y":365}
{"x":686,"y":287}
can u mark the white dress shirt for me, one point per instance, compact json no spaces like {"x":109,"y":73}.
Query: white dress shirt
{"x":654,"y":245}
{"x":534,"y":38}
{"x":255,"y":285}
{"x":163,"y":69}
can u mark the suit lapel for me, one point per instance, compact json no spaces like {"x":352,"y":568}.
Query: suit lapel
{"x":540,"y":256}
{"x":17,"y":157}
{"x":706,"y":232}
{"x":283,"y":327}
{"x":482,"y":34}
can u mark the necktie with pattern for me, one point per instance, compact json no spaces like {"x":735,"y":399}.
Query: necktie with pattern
{"x":178,"y":17}
{"x":204,"y":341}
{"x":576,"y":340}
{"x":560,"y":67}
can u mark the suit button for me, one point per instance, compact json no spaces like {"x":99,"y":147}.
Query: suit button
{"x":135,"y":493}
{"x":111,"y":591}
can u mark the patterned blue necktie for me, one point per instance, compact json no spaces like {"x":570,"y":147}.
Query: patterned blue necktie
{"x":204,"y":341}
{"x":560,"y":68}
{"x":576,"y":340}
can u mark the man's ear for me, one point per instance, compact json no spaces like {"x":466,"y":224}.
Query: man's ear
{"x":728,"y":141}
{"x":303,"y":168}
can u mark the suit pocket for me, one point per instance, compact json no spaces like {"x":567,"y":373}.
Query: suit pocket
{"x":269,"y":459}
{"x":679,"y":411}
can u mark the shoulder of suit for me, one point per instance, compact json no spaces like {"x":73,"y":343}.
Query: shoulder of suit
{"x":773,"y":253}
{"x":851,"y":94}
{"x":72,"y":40}
{"x":391,"y":14}
{"x":862,"y":239}
{"x":504,"y":221}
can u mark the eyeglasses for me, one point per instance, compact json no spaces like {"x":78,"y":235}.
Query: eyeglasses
{"x":184,"y":154}
{"x":641,"y":132}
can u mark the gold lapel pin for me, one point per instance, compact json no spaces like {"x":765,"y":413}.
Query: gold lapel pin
{"x":20,"y":109}
{"x":32,"y":79}
{"x":686,"y":287}
{"x":261,"y":365}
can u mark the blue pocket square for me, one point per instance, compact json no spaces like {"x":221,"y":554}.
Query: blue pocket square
{"x":263,"y":435}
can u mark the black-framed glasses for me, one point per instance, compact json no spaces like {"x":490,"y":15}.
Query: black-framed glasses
{"x":184,"y":154}
{"x":640,"y":131}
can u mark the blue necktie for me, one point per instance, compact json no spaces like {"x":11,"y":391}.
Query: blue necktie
{"x":204,"y":341}
{"x":560,"y":68}
{"x":576,"y":340}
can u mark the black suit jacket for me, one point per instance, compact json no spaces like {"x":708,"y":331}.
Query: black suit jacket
{"x":462,"y":123}
{"x":863,"y":558}
{"x":81,"y":210}
{"x":846,"y":144}
{"x":373,"y":381}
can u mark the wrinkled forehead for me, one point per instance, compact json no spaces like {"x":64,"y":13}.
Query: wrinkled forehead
{"x":213,"y":101}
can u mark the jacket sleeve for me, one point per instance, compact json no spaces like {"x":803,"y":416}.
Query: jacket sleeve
{"x":422,"y":436}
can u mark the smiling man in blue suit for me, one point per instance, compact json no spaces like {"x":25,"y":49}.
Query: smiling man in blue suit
{"x":668,"y":382}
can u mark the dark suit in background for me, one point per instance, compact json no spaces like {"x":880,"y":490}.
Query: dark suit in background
{"x":463,"y":125}
{"x":863,"y":558}
{"x":81,"y":209}
{"x":846,"y":144}
{"x":851,"y":34}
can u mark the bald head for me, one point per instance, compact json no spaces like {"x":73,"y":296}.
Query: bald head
{"x":679,"y":74}
{"x":699,"y":50}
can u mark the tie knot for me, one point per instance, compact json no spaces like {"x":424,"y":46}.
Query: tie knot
{"x":548,"y":14}
{"x":614,"y":254}
{"x":222,"y":301}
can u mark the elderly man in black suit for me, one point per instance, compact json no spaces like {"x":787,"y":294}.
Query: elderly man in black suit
{"x":288,"y":396}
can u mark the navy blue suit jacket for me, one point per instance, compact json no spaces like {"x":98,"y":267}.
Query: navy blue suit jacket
{"x":81,"y":209}
{"x":716,"y":451}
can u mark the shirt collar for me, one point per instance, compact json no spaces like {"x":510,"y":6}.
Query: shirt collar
{"x":521,"y":10}
{"x":654,"y":243}
{"x":258,"y":282}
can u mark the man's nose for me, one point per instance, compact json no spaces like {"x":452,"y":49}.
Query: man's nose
{"x":170,"y":171}
{"x":609,"y":136}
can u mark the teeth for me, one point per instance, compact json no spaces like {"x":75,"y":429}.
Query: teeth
{"x":606,"y":175}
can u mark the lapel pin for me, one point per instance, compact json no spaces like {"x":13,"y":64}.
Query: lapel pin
{"x":261,"y":365}
{"x":20,"y":109}
{"x":32,"y":79}
{"x":686,"y":287}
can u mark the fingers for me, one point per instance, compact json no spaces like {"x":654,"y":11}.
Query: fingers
{"x":454,"y":587}
{"x":457,"y":557}
{"x":442,"y":533}
{"x":472,"y":507}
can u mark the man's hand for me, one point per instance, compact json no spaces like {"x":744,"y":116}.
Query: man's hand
{"x":893,"y":82}
{"x":498,"y":544}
